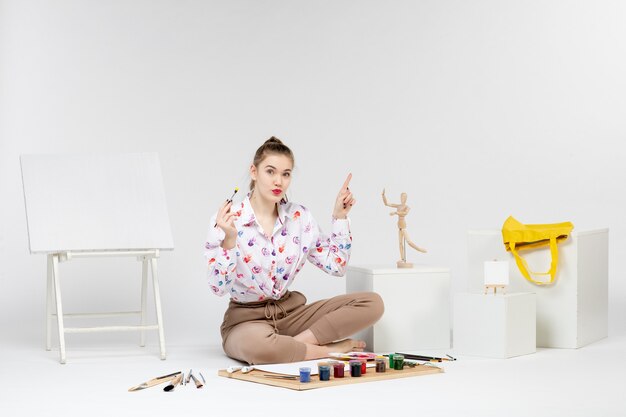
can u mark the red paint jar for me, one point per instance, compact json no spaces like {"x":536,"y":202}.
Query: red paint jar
{"x":338,"y":370}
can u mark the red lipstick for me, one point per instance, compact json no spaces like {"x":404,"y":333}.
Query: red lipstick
{"x":277,"y":191}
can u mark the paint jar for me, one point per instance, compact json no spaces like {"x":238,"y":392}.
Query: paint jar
{"x":398,"y":362}
{"x":305,"y":374}
{"x":381,"y":365}
{"x":324,"y":372}
{"x":323,"y":363}
{"x":391,"y":361}
{"x":363,"y":366}
{"x":355,"y":368}
{"x":338,"y":369}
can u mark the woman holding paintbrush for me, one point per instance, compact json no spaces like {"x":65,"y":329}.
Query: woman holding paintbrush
{"x":254,"y":251}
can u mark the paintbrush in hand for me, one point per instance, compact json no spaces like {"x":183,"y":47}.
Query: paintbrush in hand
{"x":230,"y":200}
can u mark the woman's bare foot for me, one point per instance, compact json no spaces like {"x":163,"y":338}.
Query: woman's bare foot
{"x":346,"y":345}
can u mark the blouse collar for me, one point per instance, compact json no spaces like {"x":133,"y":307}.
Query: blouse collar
{"x":248,"y":218}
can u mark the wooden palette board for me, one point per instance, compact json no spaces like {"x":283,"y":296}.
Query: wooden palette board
{"x":258,"y":377}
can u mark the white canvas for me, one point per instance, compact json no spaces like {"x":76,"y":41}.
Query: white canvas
{"x":95,"y":202}
{"x":496,"y":273}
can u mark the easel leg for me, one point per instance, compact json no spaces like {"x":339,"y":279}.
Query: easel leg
{"x":157,"y":304}
{"x":57,"y":294}
{"x":49,"y":295}
{"x":144,"y":290}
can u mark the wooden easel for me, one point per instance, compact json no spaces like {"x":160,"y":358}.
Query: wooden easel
{"x":53,"y":296}
{"x":495,"y":288}
{"x":496,"y":275}
{"x":94,"y":206}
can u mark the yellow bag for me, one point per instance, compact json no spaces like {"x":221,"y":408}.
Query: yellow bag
{"x":518,"y":236}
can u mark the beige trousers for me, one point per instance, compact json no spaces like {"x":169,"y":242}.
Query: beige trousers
{"x":262,"y":332}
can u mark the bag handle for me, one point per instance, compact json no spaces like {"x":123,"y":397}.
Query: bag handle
{"x":523,"y":265}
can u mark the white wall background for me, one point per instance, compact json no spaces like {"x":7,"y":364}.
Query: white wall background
{"x":476,"y":109}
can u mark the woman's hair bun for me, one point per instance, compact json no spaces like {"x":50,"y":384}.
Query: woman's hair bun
{"x":274,"y":139}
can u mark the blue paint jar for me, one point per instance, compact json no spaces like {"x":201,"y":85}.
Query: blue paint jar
{"x":324,"y":373}
{"x":305,"y":374}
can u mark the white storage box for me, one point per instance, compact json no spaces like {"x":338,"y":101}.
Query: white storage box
{"x":573,"y":311}
{"x":417,"y":307}
{"x":495,"y":326}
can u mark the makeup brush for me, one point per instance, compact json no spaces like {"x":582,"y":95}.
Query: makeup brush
{"x":230,"y":200}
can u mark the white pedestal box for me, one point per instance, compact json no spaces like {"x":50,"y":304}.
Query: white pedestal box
{"x":417,"y":306}
{"x":495,"y":326}
{"x":573,"y":311}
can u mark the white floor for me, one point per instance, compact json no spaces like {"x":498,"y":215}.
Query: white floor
{"x":552,"y":382}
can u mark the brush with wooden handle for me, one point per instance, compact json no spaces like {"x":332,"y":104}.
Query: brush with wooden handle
{"x":177,"y":380}
{"x":154,"y":381}
{"x":197,"y":382}
{"x":230,"y":200}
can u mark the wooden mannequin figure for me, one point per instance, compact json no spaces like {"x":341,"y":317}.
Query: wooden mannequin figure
{"x":401,"y":211}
